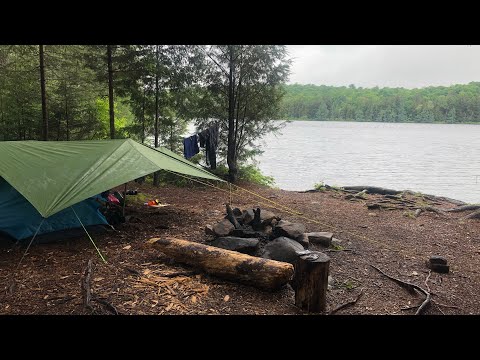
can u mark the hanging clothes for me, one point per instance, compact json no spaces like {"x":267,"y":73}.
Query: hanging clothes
{"x":212,"y":145}
{"x":190,"y":146}
{"x":208,"y":139}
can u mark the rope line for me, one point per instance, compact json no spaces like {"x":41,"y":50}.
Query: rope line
{"x":96,"y":248}
{"x":31,"y":241}
{"x":288,"y":210}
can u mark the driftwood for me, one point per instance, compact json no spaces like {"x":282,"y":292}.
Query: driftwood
{"x":411,"y":288}
{"x":349,"y":303}
{"x":373,"y":190}
{"x":357,"y":195}
{"x":232,"y":218}
{"x":231,"y":265}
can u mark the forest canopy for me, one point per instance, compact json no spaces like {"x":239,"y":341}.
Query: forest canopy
{"x":439,"y":104}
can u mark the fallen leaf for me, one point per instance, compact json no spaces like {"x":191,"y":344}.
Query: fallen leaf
{"x":226,"y":298}
{"x":98,"y":278}
{"x":415,"y":273}
{"x":45,"y":297}
{"x":193,"y":299}
{"x":369,"y":308}
{"x":64,"y":277}
{"x":127,"y":247}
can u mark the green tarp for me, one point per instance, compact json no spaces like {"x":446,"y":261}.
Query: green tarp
{"x":53,"y":175}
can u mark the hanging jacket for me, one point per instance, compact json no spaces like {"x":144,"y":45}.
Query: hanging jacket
{"x":190,"y":146}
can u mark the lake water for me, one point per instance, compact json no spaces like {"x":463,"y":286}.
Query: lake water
{"x":438,"y":159}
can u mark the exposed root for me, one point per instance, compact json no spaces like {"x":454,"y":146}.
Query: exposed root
{"x":350,"y":303}
{"x":410,"y":287}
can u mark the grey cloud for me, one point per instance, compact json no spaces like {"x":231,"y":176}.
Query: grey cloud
{"x":385,"y":65}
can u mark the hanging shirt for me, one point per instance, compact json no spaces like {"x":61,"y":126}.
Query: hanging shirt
{"x":190,"y":146}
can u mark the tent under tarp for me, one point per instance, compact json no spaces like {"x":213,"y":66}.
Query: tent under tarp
{"x":55,"y":175}
{"x":42,"y":183}
{"x":20,"y":220}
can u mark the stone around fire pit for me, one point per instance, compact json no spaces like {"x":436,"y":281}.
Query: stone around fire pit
{"x":288,"y":229}
{"x":243,"y":245}
{"x":282,"y":249}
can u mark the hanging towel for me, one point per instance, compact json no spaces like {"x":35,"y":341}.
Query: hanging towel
{"x":190,"y":146}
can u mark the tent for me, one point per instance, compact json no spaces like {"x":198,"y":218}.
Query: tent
{"x":57,"y":181}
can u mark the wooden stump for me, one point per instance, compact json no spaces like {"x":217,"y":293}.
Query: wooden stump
{"x":311,"y":280}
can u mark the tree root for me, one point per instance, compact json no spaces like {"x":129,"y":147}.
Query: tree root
{"x":474,"y":215}
{"x":411,"y":288}
{"x":463,"y":208}
{"x":349,"y":303}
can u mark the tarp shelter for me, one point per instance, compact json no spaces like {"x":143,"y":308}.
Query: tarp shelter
{"x":55,"y":175}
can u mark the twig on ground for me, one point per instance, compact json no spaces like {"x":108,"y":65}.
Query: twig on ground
{"x":109,"y":306}
{"x":86,"y":290}
{"x":410,"y":287}
{"x":439,"y":309}
{"x":426,"y":280}
{"x":447,"y":306}
{"x":180,"y":273}
{"x":350,"y":303}
{"x":337,"y":250}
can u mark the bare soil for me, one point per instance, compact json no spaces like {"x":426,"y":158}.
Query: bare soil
{"x":140,"y":280}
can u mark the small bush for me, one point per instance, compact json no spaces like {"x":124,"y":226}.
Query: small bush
{"x":247,"y":173}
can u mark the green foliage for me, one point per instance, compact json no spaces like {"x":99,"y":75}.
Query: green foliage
{"x":123,"y":119}
{"x":440,"y":104}
{"x":248,"y":173}
{"x":349,"y":285}
{"x":320,"y":186}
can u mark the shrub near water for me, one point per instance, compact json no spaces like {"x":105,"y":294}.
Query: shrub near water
{"x":248,"y":173}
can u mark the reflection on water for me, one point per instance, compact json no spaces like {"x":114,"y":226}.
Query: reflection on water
{"x":439,"y":159}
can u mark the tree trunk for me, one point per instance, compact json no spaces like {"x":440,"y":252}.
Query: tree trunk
{"x":67,"y":121}
{"x":232,"y":265}
{"x":143,"y":116}
{"x":311,"y":281}
{"x":231,"y":152}
{"x":156,"y":175}
{"x":44,"y":95}
{"x":110,"y":92}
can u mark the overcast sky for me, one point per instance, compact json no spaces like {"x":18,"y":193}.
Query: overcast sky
{"x":406,"y":66}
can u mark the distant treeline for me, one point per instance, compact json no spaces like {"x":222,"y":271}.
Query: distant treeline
{"x":440,"y":104}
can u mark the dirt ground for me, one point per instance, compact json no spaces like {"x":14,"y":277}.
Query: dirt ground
{"x":138,"y":279}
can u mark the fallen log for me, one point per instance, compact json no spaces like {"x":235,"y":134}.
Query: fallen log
{"x":262,"y":273}
{"x":373,"y":190}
